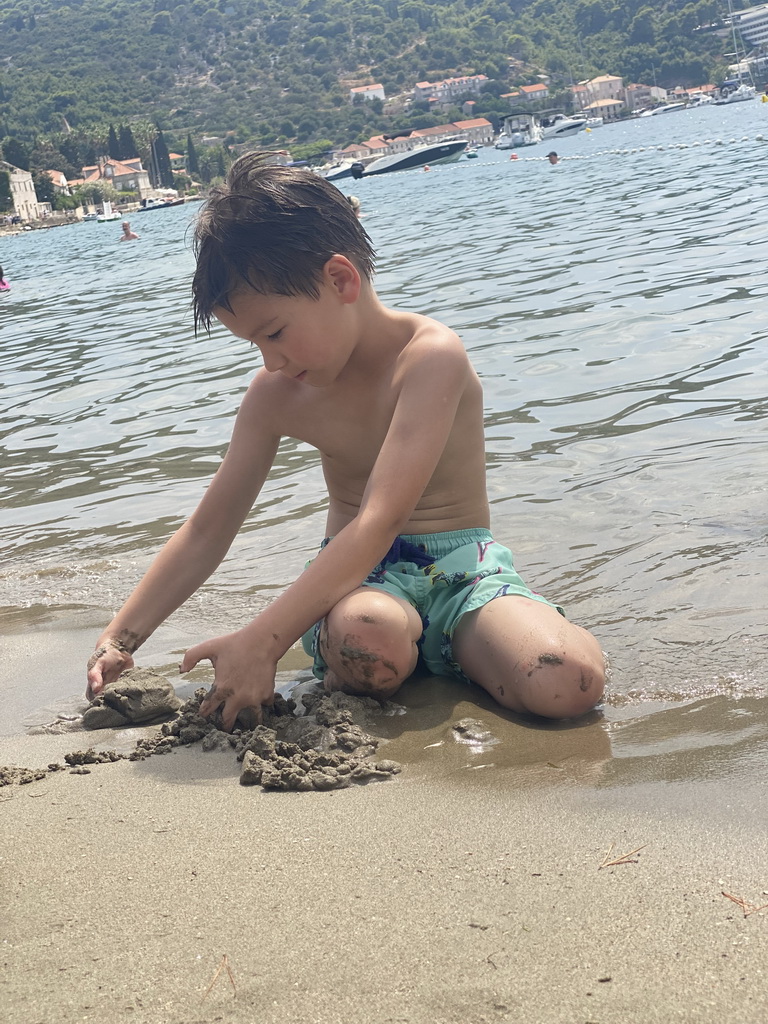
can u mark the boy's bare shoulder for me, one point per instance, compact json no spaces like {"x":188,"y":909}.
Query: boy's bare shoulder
{"x":429,"y":332}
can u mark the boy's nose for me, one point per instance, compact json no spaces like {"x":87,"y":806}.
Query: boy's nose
{"x":273,"y":361}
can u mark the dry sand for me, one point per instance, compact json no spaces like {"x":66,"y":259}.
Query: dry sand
{"x":465,"y":890}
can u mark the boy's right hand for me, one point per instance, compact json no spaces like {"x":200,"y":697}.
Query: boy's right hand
{"x":108,"y":661}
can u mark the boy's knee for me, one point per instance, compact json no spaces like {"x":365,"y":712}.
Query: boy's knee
{"x":562,"y":685}
{"x":368,"y":643}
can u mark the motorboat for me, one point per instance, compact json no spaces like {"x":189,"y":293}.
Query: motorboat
{"x":447,"y":151}
{"x":738,"y":95}
{"x":700,"y":99}
{"x":158,"y":204}
{"x":107,"y":213}
{"x":560,"y":126}
{"x":90,"y":216}
{"x":338,"y":171}
{"x":520,"y":130}
{"x":594,"y":122}
{"x":665,"y":108}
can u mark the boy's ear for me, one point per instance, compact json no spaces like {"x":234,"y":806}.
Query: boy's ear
{"x":344,"y":277}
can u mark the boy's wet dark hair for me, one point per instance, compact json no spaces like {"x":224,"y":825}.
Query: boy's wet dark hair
{"x":271,"y":228}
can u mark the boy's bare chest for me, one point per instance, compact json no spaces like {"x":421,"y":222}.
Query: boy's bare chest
{"x":348,"y":428}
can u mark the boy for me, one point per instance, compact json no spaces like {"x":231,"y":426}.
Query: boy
{"x":396,"y":411}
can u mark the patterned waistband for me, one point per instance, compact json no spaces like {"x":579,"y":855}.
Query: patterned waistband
{"x":426,"y":548}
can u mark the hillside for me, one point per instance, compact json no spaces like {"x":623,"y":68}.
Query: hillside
{"x":279,"y":71}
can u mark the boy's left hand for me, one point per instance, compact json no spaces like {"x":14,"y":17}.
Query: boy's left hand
{"x":243,"y":678}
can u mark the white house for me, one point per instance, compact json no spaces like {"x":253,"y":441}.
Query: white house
{"x":367,"y":92}
{"x":449,"y":89}
{"x":23,"y":196}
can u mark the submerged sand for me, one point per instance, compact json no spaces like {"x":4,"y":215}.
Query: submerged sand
{"x":466,"y":889}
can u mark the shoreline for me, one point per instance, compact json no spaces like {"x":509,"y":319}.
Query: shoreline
{"x":423,"y":899}
{"x":466,"y":890}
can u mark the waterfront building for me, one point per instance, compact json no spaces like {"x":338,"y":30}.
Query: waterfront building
{"x":23,"y":195}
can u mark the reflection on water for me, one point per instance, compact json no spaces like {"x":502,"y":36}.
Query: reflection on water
{"x":613,"y":306}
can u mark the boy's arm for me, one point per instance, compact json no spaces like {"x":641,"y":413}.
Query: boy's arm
{"x":194,"y":551}
{"x":420,"y":427}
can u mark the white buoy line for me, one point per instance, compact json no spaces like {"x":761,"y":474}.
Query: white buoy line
{"x":647,"y":149}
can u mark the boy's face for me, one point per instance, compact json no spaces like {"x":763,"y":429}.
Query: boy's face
{"x":308,"y":340}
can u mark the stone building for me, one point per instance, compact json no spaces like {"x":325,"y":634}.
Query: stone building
{"x":25,"y":204}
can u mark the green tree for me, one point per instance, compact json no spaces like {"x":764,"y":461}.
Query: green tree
{"x":6,"y":199}
{"x":126,"y":144}
{"x":44,"y":189}
{"x":193,"y":164}
{"x":113,"y":146}
{"x":15,"y":153}
{"x":161,"y":162}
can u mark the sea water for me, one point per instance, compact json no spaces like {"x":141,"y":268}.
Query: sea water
{"x":614,"y":306}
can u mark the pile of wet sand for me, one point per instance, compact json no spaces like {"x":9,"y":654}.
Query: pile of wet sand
{"x":325,"y":746}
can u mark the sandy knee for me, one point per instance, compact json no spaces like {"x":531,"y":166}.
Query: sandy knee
{"x":368,"y":642}
{"x":563,"y":685}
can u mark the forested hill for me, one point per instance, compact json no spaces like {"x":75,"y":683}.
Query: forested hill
{"x":279,"y":71}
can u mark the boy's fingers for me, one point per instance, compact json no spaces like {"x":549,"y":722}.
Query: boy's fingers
{"x":194,"y":655}
{"x":95,"y":683}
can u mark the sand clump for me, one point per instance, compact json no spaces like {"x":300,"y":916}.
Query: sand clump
{"x":138,"y":696}
{"x":325,"y":747}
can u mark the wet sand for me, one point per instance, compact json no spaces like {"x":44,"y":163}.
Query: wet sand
{"x":467,"y":889}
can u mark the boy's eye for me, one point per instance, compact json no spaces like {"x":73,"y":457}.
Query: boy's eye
{"x":275,"y":336}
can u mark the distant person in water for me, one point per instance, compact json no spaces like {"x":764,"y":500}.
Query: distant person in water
{"x":354,"y":202}
{"x":553,"y":157}
{"x":4,"y":285}
{"x":127,"y":235}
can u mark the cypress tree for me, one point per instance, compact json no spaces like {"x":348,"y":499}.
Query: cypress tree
{"x":193,"y":164}
{"x":162,"y":162}
{"x":127,"y":145}
{"x":113,"y":146}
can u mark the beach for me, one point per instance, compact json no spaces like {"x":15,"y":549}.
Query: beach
{"x":467,"y":889}
{"x":599,"y":872}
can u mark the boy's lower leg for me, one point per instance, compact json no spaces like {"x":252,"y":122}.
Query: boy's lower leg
{"x":369,"y":643}
{"x":530,"y":659}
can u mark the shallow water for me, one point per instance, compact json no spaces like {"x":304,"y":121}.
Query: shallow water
{"x":614,"y":308}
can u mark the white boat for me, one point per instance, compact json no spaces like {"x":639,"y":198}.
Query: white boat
{"x":594,"y":122}
{"x":108,"y":213}
{"x":700,"y":99}
{"x":665,"y":108}
{"x":337,"y":171}
{"x":738,"y":95}
{"x":90,"y":216}
{"x":159,"y":204}
{"x":519,"y":130}
{"x":447,"y":151}
{"x":560,"y":126}
{"x":736,"y":90}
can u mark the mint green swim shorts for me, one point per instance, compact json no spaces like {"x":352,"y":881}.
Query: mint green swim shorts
{"x":443,"y":576}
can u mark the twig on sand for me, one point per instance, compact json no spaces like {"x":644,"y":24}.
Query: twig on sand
{"x":748,"y":908}
{"x":625,"y":858}
{"x":223,"y":966}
